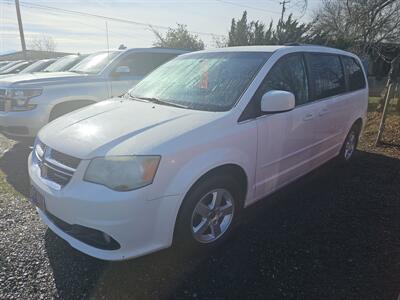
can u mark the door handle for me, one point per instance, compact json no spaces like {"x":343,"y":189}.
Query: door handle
{"x":324,"y":111}
{"x":308,"y":117}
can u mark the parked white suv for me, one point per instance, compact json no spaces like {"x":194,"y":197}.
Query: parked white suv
{"x":196,"y":141}
{"x":29,"y":101}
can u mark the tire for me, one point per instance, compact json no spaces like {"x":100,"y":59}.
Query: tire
{"x":199,"y":219}
{"x":349,"y":145}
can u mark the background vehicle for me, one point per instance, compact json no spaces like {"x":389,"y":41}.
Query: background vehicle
{"x":3,"y":63}
{"x":16,"y":68}
{"x":38,"y":66}
{"x":29,"y":101}
{"x":65,"y":63}
{"x":191,"y":145}
{"x":9,"y":65}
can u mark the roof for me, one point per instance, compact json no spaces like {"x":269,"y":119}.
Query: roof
{"x":246,"y":49}
{"x":280,"y":49}
{"x":157,"y":50}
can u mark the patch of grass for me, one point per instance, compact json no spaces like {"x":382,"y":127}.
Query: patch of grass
{"x":373,"y":103}
{"x":391,"y":136}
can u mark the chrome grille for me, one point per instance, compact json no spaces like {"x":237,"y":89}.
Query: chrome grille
{"x":65,"y":159}
{"x":55,"y":166}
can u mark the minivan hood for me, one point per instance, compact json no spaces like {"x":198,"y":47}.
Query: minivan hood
{"x":120,"y":127}
{"x":37,"y":78}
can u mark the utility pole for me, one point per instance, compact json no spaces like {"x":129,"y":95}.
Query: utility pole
{"x":283,"y":3}
{"x":21,"y":29}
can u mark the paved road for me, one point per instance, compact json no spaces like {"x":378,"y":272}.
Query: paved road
{"x":335,"y":234}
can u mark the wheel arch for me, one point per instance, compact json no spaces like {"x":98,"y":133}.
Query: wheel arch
{"x":68,"y":106}
{"x":233,"y":170}
{"x":359,"y":123}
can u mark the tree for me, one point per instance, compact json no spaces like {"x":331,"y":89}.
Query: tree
{"x":361,"y":25}
{"x":290,"y":31}
{"x":365,"y":27}
{"x":179,"y":37}
{"x":43,"y":43}
{"x":244,"y":33}
{"x":239,"y":33}
{"x":219,"y":41}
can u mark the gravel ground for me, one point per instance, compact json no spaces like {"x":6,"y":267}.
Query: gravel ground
{"x":334,"y":234}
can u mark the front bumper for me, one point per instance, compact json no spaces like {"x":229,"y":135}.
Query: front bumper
{"x":23,"y":123}
{"x":138,"y":224}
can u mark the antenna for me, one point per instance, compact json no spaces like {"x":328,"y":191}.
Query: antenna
{"x":108,"y":57}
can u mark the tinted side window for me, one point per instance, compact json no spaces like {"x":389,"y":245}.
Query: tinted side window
{"x":288,"y":74}
{"x":326,"y":75}
{"x":141,"y":64}
{"x":355,"y":75}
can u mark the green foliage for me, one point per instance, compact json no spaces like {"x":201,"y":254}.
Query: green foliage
{"x":244,"y":33}
{"x":290,"y":31}
{"x":179,"y":38}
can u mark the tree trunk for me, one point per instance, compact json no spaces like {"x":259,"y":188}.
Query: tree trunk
{"x":398,"y":96}
{"x":384,"y":114}
{"x":394,"y":65}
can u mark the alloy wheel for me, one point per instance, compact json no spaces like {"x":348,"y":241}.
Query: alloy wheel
{"x":350,"y":145}
{"x":212,"y":216}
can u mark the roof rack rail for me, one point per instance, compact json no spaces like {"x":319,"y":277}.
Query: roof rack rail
{"x":295,"y":44}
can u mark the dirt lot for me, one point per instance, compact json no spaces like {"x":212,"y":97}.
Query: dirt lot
{"x":334,"y":234}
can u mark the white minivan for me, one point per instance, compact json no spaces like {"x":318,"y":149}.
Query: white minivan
{"x":203,"y":136}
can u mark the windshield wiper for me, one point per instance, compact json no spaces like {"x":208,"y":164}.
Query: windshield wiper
{"x":158,"y":101}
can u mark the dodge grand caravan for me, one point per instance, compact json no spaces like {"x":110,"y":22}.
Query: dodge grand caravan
{"x":29,"y":101}
{"x":179,"y":157}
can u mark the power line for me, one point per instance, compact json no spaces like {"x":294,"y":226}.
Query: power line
{"x":248,"y":6}
{"x":74,"y":12}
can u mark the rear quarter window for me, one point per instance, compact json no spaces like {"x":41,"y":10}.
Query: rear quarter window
{"x":354,"y":73}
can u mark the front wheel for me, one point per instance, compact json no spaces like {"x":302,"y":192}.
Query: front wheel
{"x":209,"y":213}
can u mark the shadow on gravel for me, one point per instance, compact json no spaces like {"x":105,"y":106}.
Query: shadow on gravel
{"x":14,"y":164}
{"x":333,"y":234}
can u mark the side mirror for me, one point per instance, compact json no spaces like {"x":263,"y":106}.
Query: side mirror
{"x":121,"y":70}
{"x":277,"y":101}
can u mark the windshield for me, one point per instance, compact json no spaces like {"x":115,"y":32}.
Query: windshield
{"x":62,"y":64}
{"x":203,"y":81}
{"x":16,"y":67}
{"x":94,"y":63}
{"x":36,"y":66}
{"x":9,"y":65}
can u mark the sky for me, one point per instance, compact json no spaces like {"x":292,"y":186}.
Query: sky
{"x":81,"y":33}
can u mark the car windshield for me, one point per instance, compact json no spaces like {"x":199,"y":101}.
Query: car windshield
{"x":62,"y":64}
{"x":9,"y":65}
{"x":36,"y":66}
{"x":15,"y":67}
{"x":95,"y":62}
{"x":202,"y":81}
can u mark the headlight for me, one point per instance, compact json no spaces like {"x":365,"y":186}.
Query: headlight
{"x":123,"y":173}
{"x":18,"y":99}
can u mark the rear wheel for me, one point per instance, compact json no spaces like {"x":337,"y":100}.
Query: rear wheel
{"x":209,"y":213}
{"x":350,"y":144}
